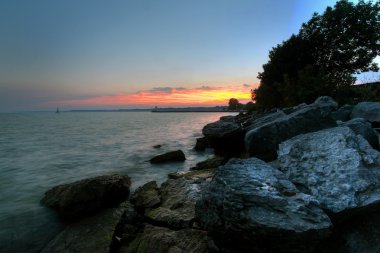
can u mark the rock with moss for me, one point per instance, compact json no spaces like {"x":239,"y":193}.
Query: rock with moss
{"x":78,"y":199}
{"x":210,"y":163}
{"x":146,"y":196}
{"x":193,"y":175}
{"x":178,"y":198}
{"x":163,"y":240}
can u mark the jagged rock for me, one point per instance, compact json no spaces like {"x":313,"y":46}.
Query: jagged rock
{"x":75,"y":200}
{"x":163,"y":240}
{"x":178,"y":199}
{"x":364,"y":128}
{"x":251,"y":207}
{"x":91,"y":234}
{"x":262,"y":141}
{"x":336,"y":166}
{"x":226,"y":136}
{"x":265,"y":119}
{"x":210,"y":163}
{"x":201,"y":144}
{"x":343,"y":113}
{"x":146,"y":196}
{"x":173,"y":156}
{"x":367,"y":110}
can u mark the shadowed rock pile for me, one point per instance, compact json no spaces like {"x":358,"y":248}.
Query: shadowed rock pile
{"x":300,"y":179}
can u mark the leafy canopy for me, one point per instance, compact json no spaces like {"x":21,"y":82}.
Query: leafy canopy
{"x":322,"y":58}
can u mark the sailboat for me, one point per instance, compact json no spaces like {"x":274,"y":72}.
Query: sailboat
{"x":57,"y":110}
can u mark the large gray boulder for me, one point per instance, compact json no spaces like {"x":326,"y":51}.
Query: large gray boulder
{"x":262,"y":139}
{"x":367,"y":110}
{"x":364,"y":128}
{"x":91,"y":234}
{"x":250,"y":206}
{"x":75,"y":200}
{"x":226,"y":136}
{"x":336,"y":166}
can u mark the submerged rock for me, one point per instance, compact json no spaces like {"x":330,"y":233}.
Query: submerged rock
{"x":173,"y":156}
{"x":75,"y":200}
{"x":163,"y":240}
{"x":336,"y":166}
{"x":262,"y":139}
{"x":250,"y":206}
{"x":91,"y":234}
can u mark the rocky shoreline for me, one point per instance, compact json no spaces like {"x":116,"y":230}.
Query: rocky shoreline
{"x":300,"y":179}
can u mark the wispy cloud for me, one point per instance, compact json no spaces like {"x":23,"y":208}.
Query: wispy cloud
{"x":168,"y":96}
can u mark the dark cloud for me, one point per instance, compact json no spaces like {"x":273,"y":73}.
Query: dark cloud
{"x":246,"y":85}
{"x":167,"y":90}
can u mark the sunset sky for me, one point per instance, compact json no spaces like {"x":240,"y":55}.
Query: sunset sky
{"x":92,"y":54}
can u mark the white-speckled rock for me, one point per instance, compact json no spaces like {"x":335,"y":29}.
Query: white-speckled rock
{"x":336,"y":166}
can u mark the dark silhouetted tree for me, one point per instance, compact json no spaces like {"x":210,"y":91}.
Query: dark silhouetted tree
{"x":323,"y":57}
{"x":234,"y":104}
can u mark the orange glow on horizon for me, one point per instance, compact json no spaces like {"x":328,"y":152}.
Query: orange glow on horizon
{"x":203,"y":96}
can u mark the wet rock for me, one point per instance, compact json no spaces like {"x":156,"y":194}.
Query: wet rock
{"x":173,"y":156}
{"x":178,"y":199}
{"x":343,"y":113}
{"x":336,"y":166}
{"x":163,"y":240}
{"x":367,"y":110}
{"x":146,"y":196}
{"x":262,"y":140}
{"x":157,"y":146}
{"x":226,"y":136}
{"x":210,"y":163}
{"x":201,"y":144}
{"x":249,"y":205}
{"x":364,"y":128}
{"x":75,"y":200}
{"x":91,"y":234}
{"x":195,"y":174}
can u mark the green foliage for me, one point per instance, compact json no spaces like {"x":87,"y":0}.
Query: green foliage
{"x":323,"y":57}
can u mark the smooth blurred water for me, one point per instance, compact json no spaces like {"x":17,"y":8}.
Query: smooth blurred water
{"x":41,"y":150}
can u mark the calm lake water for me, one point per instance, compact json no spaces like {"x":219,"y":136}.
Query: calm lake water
{"x":41,"y":150}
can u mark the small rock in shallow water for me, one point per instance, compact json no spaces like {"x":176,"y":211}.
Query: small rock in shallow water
{"x":173,"y":156}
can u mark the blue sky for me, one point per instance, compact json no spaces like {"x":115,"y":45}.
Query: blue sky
{"x":68,"y":50}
